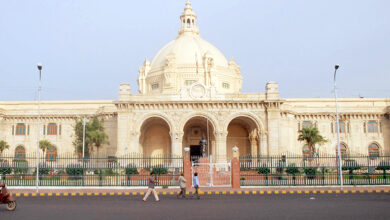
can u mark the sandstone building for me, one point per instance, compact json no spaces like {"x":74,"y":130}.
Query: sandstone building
{"x":190,"y":90}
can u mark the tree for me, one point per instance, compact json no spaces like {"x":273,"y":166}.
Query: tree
{"x":311,"y":136}
{"x":44,"y":145}
{"x":95,"y":136}
{"x":3,"y":145}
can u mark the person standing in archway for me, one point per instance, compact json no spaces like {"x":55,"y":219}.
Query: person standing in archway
{"x":151,"y":188}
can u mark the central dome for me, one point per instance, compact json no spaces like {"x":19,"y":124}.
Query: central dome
{"x":187,"y":60}
{"x":188,"y":49}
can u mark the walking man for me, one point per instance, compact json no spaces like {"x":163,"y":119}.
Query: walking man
{"x":196,"y":185}
{"x":151,"y":188}
{"x":183,"y":185}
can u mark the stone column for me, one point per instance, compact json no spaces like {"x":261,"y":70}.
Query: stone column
{"x":235,"y":169}
{"x":273,"y":118}
{"x":187,"y":167}
{"x":177,"y":141}
{"x":123,"y":141}
{"x":263,"y":144}
{"x":220,"y":141}
{"x":253,"y":141}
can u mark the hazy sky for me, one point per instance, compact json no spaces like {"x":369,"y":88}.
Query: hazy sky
{"x":89,"y":47}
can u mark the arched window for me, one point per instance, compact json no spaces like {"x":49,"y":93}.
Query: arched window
{"x":188,"y":23}
{"x":52,"y":129}
{"x":20,"y":129}
{"x":343,"y":151}
{"x":20,"y":152}
{"x":51,"y":154}
{"x":373,"y":151}
{"x":341,"y":127}
{"x":372,"y":126}
{"x":306,"y":124}
{"x":305,"y":151}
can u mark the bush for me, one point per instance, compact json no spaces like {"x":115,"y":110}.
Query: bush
{"x":292,"y":169}
{"x":384,"y":165}
{"x":350,"y":165}
{"x":20,"y":166}
{"x":131,"y":170}
{"x":4,"y":168}
{"x":263,"y":170}
{"x":165,"y":187}
{"x":74,"y":170}
{"x":311,"y":172}
{"x":160,"y":170}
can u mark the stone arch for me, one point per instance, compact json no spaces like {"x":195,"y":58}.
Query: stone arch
{"x":242,"y":132}
{"x":257,"y":120}
{"x":154,"y":115}
{"x":194,"y":126}
{"x":187,"y":117}
{"x":155,"y":137}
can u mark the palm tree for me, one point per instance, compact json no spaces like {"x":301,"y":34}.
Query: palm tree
{"x":44,"y":145}
{"x":3,"y":145}
{"x":311,"y":136}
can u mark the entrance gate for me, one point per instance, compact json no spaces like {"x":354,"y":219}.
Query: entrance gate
{"x":212,"y":174}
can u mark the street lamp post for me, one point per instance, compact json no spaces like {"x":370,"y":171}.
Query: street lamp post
{"x":38,"y":127}
{"x":338,"y":129}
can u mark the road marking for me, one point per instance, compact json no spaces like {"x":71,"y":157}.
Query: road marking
{"x":66,"y":194}
{"x":25,"y":194}
{"x":119,"y":193}
{"x":322,"y":191}
{"x":134,"y":193}
{"x":276,"y":191}
{"x":378,"y":191}
{"x":307,"y":191}
{"x":337,"y":191}
{"x":284,"y":192}
{"x":353,"y":191}
{"x":262,"y":192}
{"x":89,"y":194}
{"x":269,"y":192}
{"x":171,"y":193}
{"x":239,"y":192}
{"x":292,"y":192}
{"x":81,"y":194}
{"x":246,"y":192}
{"x":224,"y":192}
{"x":330,"y":191}
{"x":345,"y":191}
{"x":314,"y":192}
{"x":254,"y":192}
{"x":216,"y":192}
{"x":112,"y":194}
{"x":41,"y":194}
{"x":299,"y":192}
{"x":73,"y":194}
{"x":96,"y":194}
{"x":209,"y":192}
{"x":17,"y":194}
{"x":58,"y":194}
{"x":50,"y":194}
{"x":231,"y":192}
{"x":386,"y":191}
{"x":369,"y":191}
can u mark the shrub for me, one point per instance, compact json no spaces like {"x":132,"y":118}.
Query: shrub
{"x":165,"y":187}
{"x":20,"y":166}
{"x":384,"y":165}
{"x":350,"y":165}
{"x":74,"y":170}
{"x":4,"y":168}
{"x":131,"y":170}
{"x":263,"y":170}
{"x":160,"y":170}
{"x":311,"y":172}
{"x":292,"y":169}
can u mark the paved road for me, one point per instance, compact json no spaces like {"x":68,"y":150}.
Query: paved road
{"x":320,"y":206}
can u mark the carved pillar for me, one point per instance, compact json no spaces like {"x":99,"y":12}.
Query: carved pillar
{"x":177,"y":140}
{"x":273,"y":120}
{"x":220,"y":141}
{"x":253,"y":142}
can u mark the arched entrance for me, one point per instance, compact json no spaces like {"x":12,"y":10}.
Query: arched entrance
{"x":243,"y":133}
{"x":196,"y":128}
{"x":155,"y":139}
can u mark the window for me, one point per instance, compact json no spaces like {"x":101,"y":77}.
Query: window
{"x":373,"y":151}
{"x":155,"y":86}
{"x":20,"y":129}
{"x":188,"y":23}
{"x":51,"y":154}
{"x":189,"y":82}
{"x":343,"y":151}
{"x":306,"y":124}
{"x":372,"y":126}
{"x":306,"y":152}
{"x":341,"y":127}
{"x":331,"y":127}
{"x":225,"y":85}
{"x":52,"y":129}
{"x":20,"y":152}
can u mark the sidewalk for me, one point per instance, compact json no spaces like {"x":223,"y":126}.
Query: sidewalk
{"x":107,"y":191}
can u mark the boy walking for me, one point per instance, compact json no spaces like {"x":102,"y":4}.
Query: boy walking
{"x":183,"y":185}
{"x":151,"y":188}
{"x":196,"y":185}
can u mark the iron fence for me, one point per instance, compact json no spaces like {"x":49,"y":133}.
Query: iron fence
{"x":68,"y":170}
{"x":295,"y":170}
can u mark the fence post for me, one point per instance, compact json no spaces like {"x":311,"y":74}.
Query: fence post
{"x":187,"y":167}
{"x":235,"y":169}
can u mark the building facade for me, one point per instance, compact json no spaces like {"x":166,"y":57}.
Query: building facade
{"x":189,"y":91}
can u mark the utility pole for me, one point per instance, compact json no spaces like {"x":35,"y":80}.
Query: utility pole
{"x":338,"y":130}
{"x":38,"y":126}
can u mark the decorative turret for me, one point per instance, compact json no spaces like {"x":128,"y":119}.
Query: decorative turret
{"x":188,"y":20}
{"x":143,"y":73}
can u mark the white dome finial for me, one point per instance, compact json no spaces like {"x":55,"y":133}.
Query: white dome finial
{"x":188,"y":20}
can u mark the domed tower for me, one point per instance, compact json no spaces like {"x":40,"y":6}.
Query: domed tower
{"x":189,"y":61}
